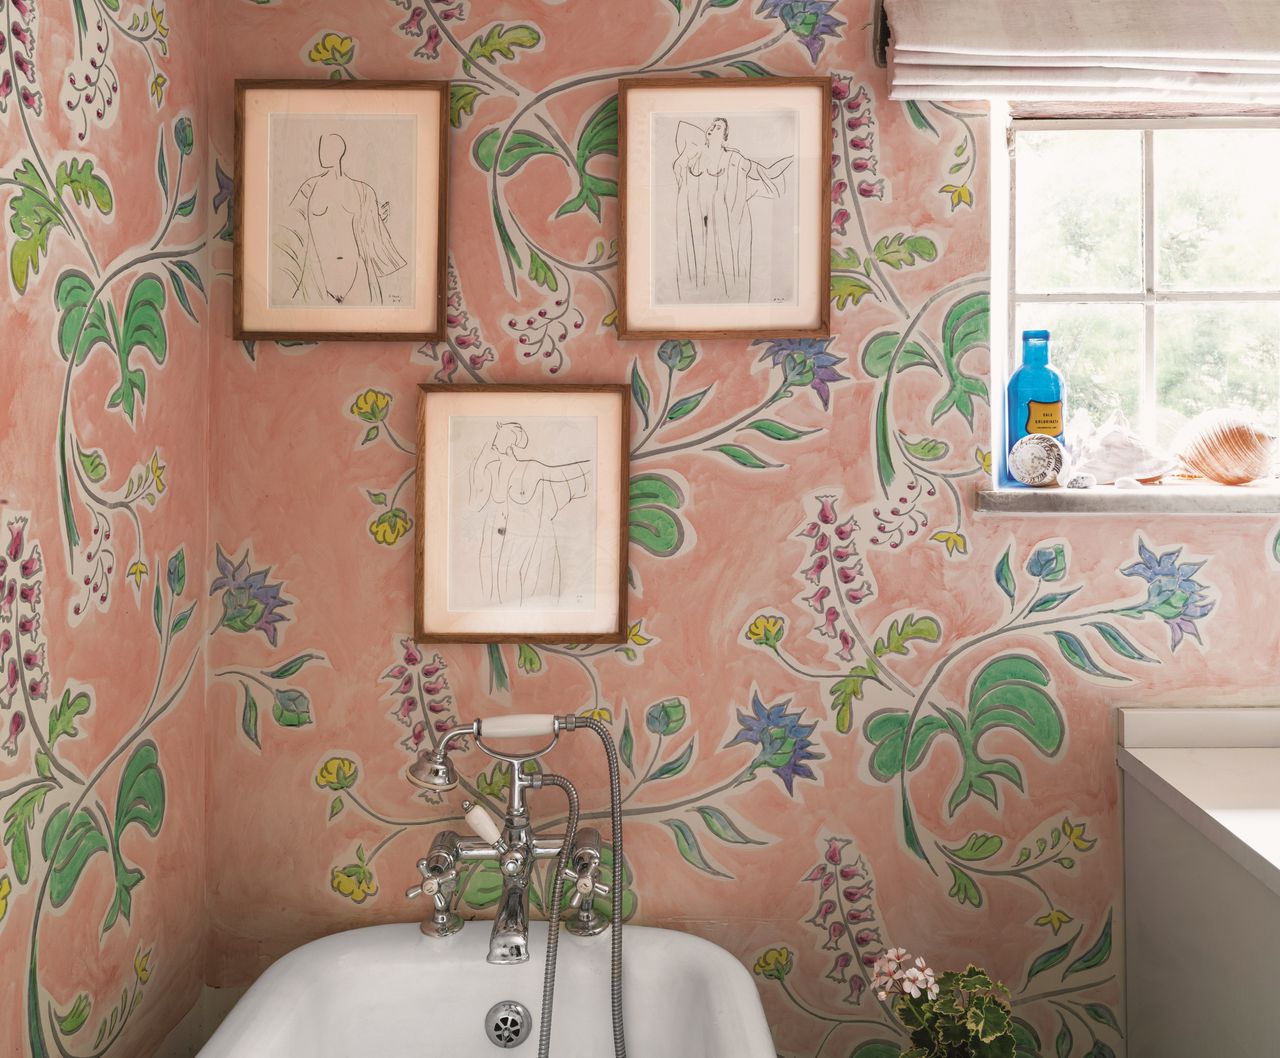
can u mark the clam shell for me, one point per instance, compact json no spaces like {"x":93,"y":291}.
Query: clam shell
{"x":1228,"y":449}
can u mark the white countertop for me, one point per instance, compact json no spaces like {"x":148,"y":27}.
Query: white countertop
{"x":1230,"y":795}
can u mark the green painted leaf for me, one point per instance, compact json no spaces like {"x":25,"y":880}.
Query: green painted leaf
{"x":86,"y":186}
{"x":978,"y":847}
{"x":640,"y":391}
{"x":519,"y":148}
{"x":1099,"y":952}
{"x":68,"y":845}
{"x":884,"y":442}
{"x":1064,"y":1042}
{"x":162,"y":169}
{"x":157,"y":611}
{"x":43,"y":768}
{"x":723,"y":827}
{"x":743,"y":66}
{"x":144,"y":328}
{"x":688,"y":847}
{"x":1026,"y":1041}
{"x":483,"y":885}
{"x":500,"y":41}
{"x":847,"y":290}
{"x":177,"y":571}
{"x":927,"y":448}
{"x":93,"y":464}
{"x":778,"y":431}
{"x":627,"y":744}
{"x":916,"y":113}
{"x":687,"y":405}
{"x":180,"y":622}
{"x":291,"y":708}
{"x":902,"y":631}
{"x":966,"y":327}
{"x":886,"y":730}
{"x":72,"y":1021}
{"x":1004,"y":578}
{"x":902,"y":250}
{"x":79,"y":327}
{"x":656,"y":529}
{"x":964,"y":890}
{"x":249,"y":717}
{"x":140,"y":800}
{"x":504,"y":236}
{"x":528,"y":659}
{"x":541,"y":272}
{"x":599,"y":136}
{"x":1052,"y":601}
{"x":19,"y":818}
{"x":1119,"y":642}
{"x":1078,"y":655}
{"x":293,"y":665}
{"x":675,"y":766}
{"x":678,"y":354}
{"x":462,"y":100}
{"x":1103,"y":1015}
{"x":62,"y":718}
{"x":878,"y":354}
{"x":655,"y":490}
{"x":498,"y":679}
{"x":180,"y":292}
{"x":187,"y":206}
{"x":190,"y":271}
{"x":1051,"y":958}
{"x":336,"y":806}
{"x":33,"y":216}
{"x":744,"y":457}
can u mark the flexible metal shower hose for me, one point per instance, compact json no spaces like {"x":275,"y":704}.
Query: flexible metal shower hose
{"x":615,"y":929}
{"x":555,"y":896}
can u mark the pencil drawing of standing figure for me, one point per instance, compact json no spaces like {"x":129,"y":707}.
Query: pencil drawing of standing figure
{"x":715,"y":185}
{"x":520,"y":558}
{"x":336,"y":248}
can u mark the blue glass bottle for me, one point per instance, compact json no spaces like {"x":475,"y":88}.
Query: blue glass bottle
{"x":1035,"y":392}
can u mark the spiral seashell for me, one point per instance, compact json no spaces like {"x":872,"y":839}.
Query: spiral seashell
{"x":1036,"y":460}
{"x":1227,"y":448}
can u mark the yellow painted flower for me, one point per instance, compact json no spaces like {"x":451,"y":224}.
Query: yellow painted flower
{"x":599,"y":713}
{"x":354,"y":881}
{"x":390,"y":526}
{"x":960,"y":195}
{"x":371,"y":405}
{"x":610,"y":319}
{"x":984,"y":459}
{"x":157,"y":87}
{"x":332,"y":49}
{"x":637,"y":637}
{"x":775,"y":963}
{"x":157,"y":472}
{"x":137,"y":571}
{"x":141,"y":967}
{"x":337,"y":773}
{"x":1055,"y":919}
{"x":157,"y":16}
{"x":1074,"y":833}
{"x":767,"y":630}
{"x":954,"y":542}
{"x":6,"y":887}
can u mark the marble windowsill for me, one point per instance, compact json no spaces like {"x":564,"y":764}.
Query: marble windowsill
{"x":1261,"y":497}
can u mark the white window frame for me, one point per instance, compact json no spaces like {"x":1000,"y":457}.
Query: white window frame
{"x":1148,"y":297}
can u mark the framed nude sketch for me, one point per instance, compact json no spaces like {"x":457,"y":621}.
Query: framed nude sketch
{"x":340,"y":209}
{"x":725,"y":194}
{"x":522,"y":514}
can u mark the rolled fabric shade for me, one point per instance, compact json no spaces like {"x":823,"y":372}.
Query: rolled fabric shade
{"x":1089,"y":50}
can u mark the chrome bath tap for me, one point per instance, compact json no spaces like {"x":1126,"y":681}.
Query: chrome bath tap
{"x":515,"y":846}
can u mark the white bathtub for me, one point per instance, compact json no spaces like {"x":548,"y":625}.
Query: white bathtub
{"x":390,"y":992}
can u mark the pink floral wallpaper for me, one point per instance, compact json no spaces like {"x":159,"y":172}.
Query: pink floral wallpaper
{"x":103,"y":521}
{"x":852,"y":713}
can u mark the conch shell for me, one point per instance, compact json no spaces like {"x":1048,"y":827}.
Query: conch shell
{"x":1227,"y":448}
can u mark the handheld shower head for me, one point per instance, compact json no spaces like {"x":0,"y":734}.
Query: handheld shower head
{"x":433,"y":772}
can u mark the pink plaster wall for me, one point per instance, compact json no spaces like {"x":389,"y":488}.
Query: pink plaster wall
{"x":117,"y":689}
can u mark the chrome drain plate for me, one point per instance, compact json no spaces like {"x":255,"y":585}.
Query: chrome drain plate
{"x":508,"y":1024}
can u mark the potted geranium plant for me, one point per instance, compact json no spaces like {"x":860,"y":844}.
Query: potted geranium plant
{"x":958,"y":1014}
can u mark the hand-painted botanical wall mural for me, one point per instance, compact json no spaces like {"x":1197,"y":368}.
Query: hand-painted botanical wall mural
{"x":851,"y":712}
{"x":103,"y":505}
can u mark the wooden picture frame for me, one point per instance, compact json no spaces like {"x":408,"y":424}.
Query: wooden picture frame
{"x":341,"y":211}
{"x":696,"y":258}
{"x":521,"y":532}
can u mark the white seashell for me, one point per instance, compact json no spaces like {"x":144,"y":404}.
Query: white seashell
{"x":1227,"y":448}
{"x":1036,"y":460}
{"x":1128,"y":483}
{"x":1114,"y":451}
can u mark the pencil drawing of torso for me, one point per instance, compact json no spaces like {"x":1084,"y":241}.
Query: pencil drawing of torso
{"x":715,"y":185}
{"x":519,"y":555}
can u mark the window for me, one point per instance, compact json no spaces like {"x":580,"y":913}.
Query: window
{"x":1151,"y":250}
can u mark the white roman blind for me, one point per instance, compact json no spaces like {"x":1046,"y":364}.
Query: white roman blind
{"x":1212,"y":51}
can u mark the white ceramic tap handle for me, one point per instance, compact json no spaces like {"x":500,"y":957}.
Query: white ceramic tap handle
{"x":482,"y":824}
{"x":519,"y":726}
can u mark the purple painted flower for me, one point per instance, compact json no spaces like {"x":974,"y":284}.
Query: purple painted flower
{"x":783,"y":741}
{"x":249,"y":603}
{"x":804,"y":362}
{"x":1172,"y":593}
{"x":810,"y":20}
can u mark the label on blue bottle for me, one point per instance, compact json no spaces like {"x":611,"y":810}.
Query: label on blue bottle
{"x":1044,"y":417}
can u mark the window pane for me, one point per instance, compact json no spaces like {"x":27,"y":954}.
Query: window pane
{"x":1219,"y":355}
{"x":1217,"y":209}
{"x":1079,"y":211}
{"x":1098,"y":349}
